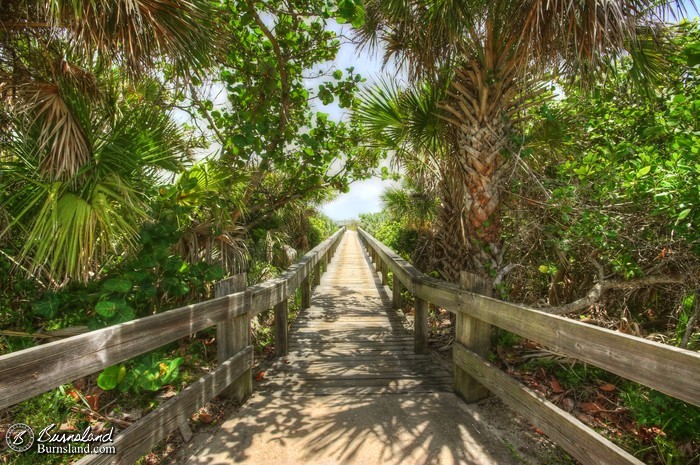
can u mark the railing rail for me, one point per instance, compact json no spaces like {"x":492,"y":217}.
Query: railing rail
{"x":30,"y":372}
{"x":668,"y":369}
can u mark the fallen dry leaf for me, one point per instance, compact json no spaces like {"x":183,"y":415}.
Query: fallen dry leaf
{"x":205,"y":418}
{"x":260,"y":376}
{"x":568,"y":404}
{"x":607,"y":387}
{"x":67,"y":427}
{"x":73,"y":394}
{"x":590,"y":407}
{"x":556,"y":387}
{"x":529,"y":345}
{"x":587,"y":419}
{"x":93,"y":401}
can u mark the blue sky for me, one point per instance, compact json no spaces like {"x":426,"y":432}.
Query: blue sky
{"x":364,"y":195}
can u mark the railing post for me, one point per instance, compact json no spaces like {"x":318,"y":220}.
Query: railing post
{"x":421,"y":331}
{"x":306,"y":291}
{"x":232,"y":336}
{"x":475,"y":335}
{"x":385,"y":274}
{"x":396,"y":292}
{"x":317,"y":273}
{"x":281,"y":319}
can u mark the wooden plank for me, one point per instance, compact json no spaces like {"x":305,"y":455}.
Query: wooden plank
{"x":668,"y":369}
{"x":420,"y":326}
{"x":583,"y":443}
{"x":396,"y":292}
{"x":225,"y":330}
{"x":301,"y":391}
{"x":350,"y":382}
{"x":140,"y":437}
{"x":306,"y":293}
{"x":233,"y":336}
{"x":30,"y":372}
{"x":350,"y":373}
{"x":317,"y":274}
{"x":266,"y":295}
{"x":281,"y":325}
{"x":437,"y":292}
{"x":474,"y":334}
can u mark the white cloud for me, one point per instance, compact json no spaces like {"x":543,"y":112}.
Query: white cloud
{"x":362,"y":198}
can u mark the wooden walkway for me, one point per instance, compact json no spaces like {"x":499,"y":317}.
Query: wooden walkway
{"x":351,"y":340}
{"x":351,"y":390}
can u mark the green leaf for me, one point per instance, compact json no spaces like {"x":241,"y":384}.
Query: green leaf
{"x":643,"y":171}
{"x":123,"y":314}
{"x":106,"y":308}
{"x":109,"y":378}
{"x":173,"y":370}
{"x":684,"y":214}
{"x":117,"y":285}
{"x":46,"y":307}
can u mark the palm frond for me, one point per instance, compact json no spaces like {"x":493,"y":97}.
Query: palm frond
{"x":137,"y":32}
{"x":63,"y":145}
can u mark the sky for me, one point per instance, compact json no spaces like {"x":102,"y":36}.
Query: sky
{"x":363,"y":196}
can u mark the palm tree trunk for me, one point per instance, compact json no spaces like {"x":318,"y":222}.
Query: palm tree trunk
{"x":482,"y":140}
{"x":451,"y":244}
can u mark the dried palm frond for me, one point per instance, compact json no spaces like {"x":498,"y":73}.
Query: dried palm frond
{"x":63,"y":145}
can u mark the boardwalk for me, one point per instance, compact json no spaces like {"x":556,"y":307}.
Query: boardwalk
{"x":351,"y":389}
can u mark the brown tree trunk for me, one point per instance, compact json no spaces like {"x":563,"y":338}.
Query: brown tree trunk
{"x":482,"y":140}
{"x":451,"y":245}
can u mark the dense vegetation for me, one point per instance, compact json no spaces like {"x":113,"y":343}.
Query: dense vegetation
{"x":149,"y":149}
{"x":599,"y":222}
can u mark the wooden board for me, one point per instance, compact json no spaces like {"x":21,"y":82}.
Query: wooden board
{"x":576,"y":438}
{"x":138,"y":439}
{"x":30,"y":372}
{"x":665,"y":368}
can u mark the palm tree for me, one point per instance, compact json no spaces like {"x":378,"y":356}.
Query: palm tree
{"x":69,"y":227}
{"x":84,"y":121}
{"x":491,"y":59}
{"x":410,"y":203}
{"x":49,"y":50}
{"x":411,"y":124}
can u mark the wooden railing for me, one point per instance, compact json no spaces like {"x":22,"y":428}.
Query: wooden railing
{"x":33,"y":371}
{"x":668,"y":369}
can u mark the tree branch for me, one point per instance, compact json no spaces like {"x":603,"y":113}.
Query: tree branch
{"x":205,"y":113}
{"x":690,"y":326}
{"x":284,"y":77}
{"x":603,"y":285}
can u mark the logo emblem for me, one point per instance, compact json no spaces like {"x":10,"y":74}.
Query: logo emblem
{"x":19,"y":437}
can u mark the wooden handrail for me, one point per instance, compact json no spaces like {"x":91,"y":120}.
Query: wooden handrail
{"x":27,"y":373}
{"x":30,"y":372}
{"x":665,"y":368}
{"x":668,"y":369}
